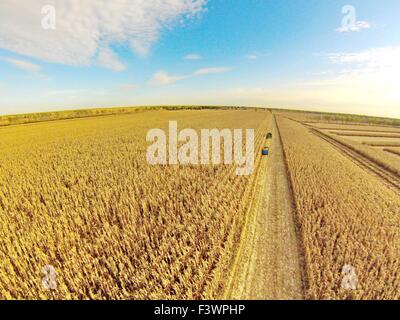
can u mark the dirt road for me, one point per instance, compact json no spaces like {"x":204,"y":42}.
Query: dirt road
{"x":268,"y":265}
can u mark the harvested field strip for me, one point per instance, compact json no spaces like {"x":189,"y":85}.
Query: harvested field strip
{"x":367,"y":129}
{"x":347,"y":217}
{"x":381,"y":144}
{"x":367,"y":134}
{"x":376,"y":139}
{"x":352,"y":127}
{"x":371,"y":140}
{"x":386,"y":175}
{"x":335,"y":130}
{"x":394,"y":151}
{"x":384,"y":159}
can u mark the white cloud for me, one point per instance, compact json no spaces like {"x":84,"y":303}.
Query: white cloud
{"x":205,"y":71}
{"x":24,"y":65}
{"x":109,"y":60}
{"x":362,"y":82}
{"x":84,"y":27}
{"x":192,"y":56}
{"x":162,"y":78}
{"x":377,"y":62}
{"x":356,"y":27}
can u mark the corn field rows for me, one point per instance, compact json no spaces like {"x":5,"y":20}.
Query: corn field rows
{"x":79,"y":195}
{"x":345,"y":217}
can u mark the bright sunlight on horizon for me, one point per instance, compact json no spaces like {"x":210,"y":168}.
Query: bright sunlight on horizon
{"x":328,"y":56}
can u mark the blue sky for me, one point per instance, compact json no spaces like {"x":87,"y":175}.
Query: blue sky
{"x":275,"y":53}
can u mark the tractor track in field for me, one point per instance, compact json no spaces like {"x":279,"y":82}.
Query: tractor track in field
{"x":269,"y":265}
{"x":396,"y":153}
{"x":389,"y":178}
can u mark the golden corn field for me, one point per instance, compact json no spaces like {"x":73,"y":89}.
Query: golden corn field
{"x":80,"y":196}
{"x":346,"y":217}
{"x":77,"y":194}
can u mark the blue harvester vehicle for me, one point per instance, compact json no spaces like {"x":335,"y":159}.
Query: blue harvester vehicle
{"x":265,"y":151}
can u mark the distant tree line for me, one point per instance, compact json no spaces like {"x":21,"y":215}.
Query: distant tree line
{"x":72,"y":114}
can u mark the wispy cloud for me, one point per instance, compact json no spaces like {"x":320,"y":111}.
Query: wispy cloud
{"x":23,"y":64}
{"x":365,"y":82}
{"x":162,"y":78}
{"x":356,"y":27}
{"x":108,"y":59}
{"x":99,"y":24}
{"x":205,"y":71}
{"x":256,"y":55}
{"x":375,"y":60}
{"x":192,"y":56}
{"x":356,"y":80}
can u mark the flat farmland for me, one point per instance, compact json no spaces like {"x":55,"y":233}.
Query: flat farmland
{"x":370,"y":141}
{"x":347,"y":212}
{"x":354,"y":127}
{"x":373,"y":139}
{"x":80,"y":196}
{"x":348,"y":133}
{"x":317,"y":218}
{"x":394,"y":150}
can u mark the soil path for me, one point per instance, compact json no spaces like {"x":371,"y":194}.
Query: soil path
{"x":268,"y":265}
